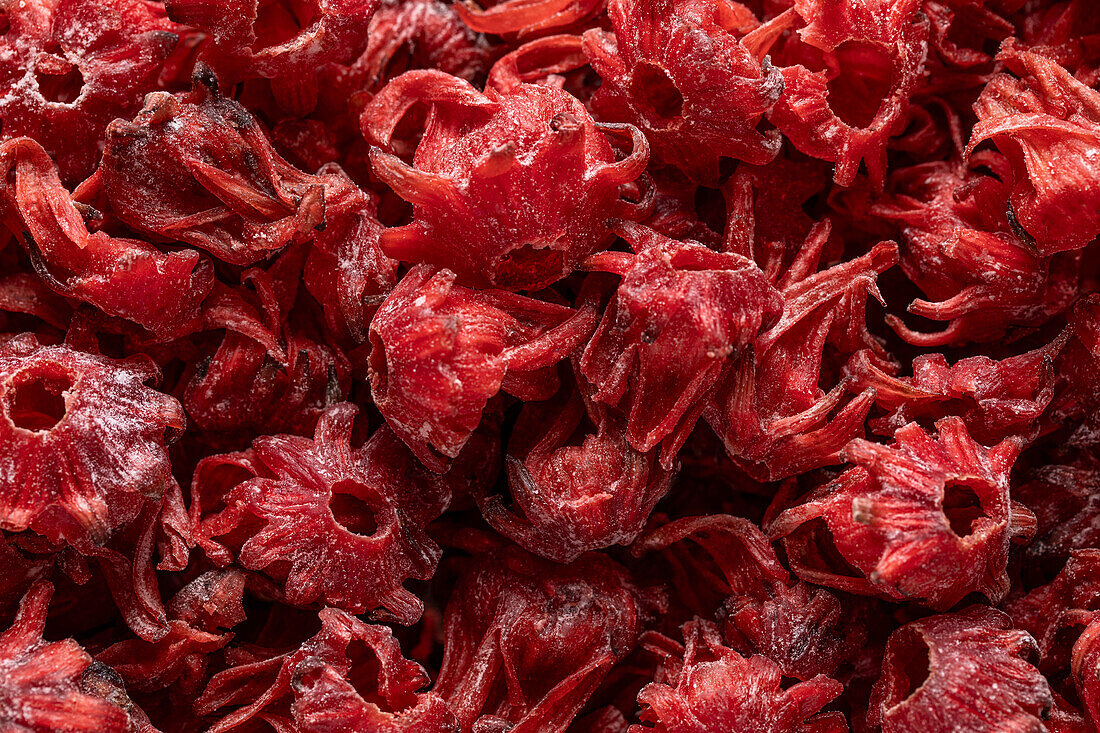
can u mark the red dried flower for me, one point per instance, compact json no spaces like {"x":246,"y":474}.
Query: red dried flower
{"x":959,"y":671}
{"x":772,"y":414}
{"x":712,"y":687}
{"x":1085,"y":666}
{"x":328,"y":522}
{"x":275,"y":38}
{"x":264,"y":374}
{"x":675,"y":327}
{"x":122,"y":277}
{"x":522,"y":172}
{"x":928,"y":519}
{"x":801,"y":628}
{"x":968,"y":254}
{"x":693,"y":76}
{"x":347,"y":272}
{"x":867,"y":56}
{"x":86,"y":441}
{"x":440,"y":352}
{"x":526,"y":17}
{"x":1048,"y":126}
{"x":996,"y":399}
{"x":69,"y":67}
{"x":422,"y":34}
{"x":315,"y":677}
{"x":574,"y":490}
{"x":218,"y":184}
{"x":528,"y":641}
{"x":1055,"y":614}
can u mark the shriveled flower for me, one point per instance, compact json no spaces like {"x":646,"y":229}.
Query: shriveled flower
{"x":679,"y":320}
{"x":772,"y":414}
{"x":68,"y":68}
{"x":512,"y":188}
{"x":85,"y":441}
{"x":693,"y":75}
{"x":1048,"y":125}
{"x":979,"y":271}
{"x":927,"y":519}
{"x":326,"y":521}
{"x":55,"y":685}
{"x":441,"y":351}
{"x":528,"y":641}
{"x":313,"y":678}
{"x":196,"y":168}
{"x":712,"y":687}
{"x":966,"y":671}
{"x":848,"y":78}
{"x":275,"y":39}
{"x":574,"y":490}
{"x":161,"y":291}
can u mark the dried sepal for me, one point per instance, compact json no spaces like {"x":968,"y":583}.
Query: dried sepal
{"x":326,"y":521}
{"x":679,"y":320}
{"x":68,"y":68}
{"x":1047,"y":123}
{"x":693,"y":76}
{"x":161,"y":291}
{"x":441,"y":351}
{"x":313,"y":678}
{"x":867,"y":57}
{"x":712,"y":687}
{"x":54,"y":686}
{"x":772,"y":414}
{"x":86,"y":441}
{"x":574,"y":488}
{"x":522,"y":172}
{"x":927,"y":519}
{"x":527,"y":641}
{"x":965,"y":671}
{"x":275,"y":39}
{"x":219,"y":184}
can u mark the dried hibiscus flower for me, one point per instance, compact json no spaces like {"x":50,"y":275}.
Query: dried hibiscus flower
{"x":927,"y":519}
{"x":161,"y":291}
{"x":692,"y":74}
{"x":55,"y":685}
{"x":848,"y":79}
{"x":314,"y":679}
{"x":196,"y":168}
{"x":1048,"y":125}
{"x":679,"y":320}
{"x":979,"y":271}
{"x":772,"y":414}
{"x":960,"y":671}
{"x":477,"y":169}
{"x":996,"y":399}
{"x":708,"y":686}
{"x":574,"y":489}
{"x":327,"y":521}
{"x":441,"y":351}
{"x":68,"y":68}
{"x":279,"y":39}
{"x":528,"y":641}
{"x":86,"y":441}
